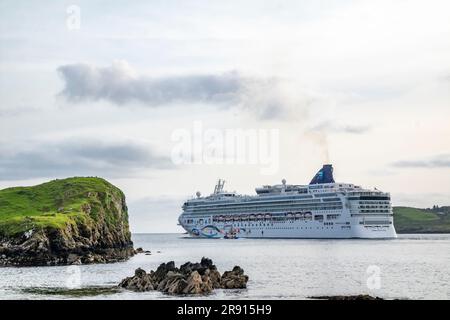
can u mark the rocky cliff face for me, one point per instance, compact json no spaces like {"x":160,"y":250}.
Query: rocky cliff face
{"x":70,"y":221}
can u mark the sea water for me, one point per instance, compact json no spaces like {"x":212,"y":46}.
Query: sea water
{"x":410,"y":267}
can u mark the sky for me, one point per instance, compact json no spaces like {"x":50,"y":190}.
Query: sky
{"x":162,"y":98}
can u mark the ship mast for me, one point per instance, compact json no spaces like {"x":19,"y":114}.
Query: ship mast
{"x":219,"y":186}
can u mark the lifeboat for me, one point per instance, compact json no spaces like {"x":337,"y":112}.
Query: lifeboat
{"x":220,"y":218}
{"x":228,"y":218}
{"x":236,"y":218}
{"x":268,"y":216}
{"x":252,"y":217}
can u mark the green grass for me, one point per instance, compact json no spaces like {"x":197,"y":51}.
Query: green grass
{"x":413,"y":220}
{"x":56,"y":204}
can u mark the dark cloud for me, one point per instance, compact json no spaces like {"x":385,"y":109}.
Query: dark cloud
{"x":77,"y":158}
{"x":440,"y":161}
{"x":267,"y":98}
{"x":120,"y":85}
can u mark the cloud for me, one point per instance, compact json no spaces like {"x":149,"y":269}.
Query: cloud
{"x":80,"y":157}
{"x":121,"y":85}
{"x":331,"y":127}
{"x":439,"y":161}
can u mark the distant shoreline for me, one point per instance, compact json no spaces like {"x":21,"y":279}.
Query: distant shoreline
{"x":427,"y":221}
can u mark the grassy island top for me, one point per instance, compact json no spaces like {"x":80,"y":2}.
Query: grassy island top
{"x":60,"y":202}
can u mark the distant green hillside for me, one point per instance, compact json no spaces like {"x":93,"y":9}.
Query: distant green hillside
{"x":413,"y":220}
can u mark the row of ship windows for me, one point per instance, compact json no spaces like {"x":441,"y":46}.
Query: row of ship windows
{"x":374,"y":197}
{"x":274,"y":217}
{"x":375,"y":222}
{"x":264,"y":205}
{"x":254,"y":213}
{"x":270,"y":191}
{"x":368,"y":207}
{"x":241,"y":225}
{"x":321,"y":186}
{"x":301,"y":228}
{"x":267,"y":224}
{"x":374,"y":202}
{"x":271,"y":220}
{"x":257,"y":201}
{"x":267,"y":209}
{"x":277,"y":197}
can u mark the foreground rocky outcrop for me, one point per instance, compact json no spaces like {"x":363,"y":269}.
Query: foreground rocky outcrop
{"x":68,"y":221}
{"x":190,"y":278}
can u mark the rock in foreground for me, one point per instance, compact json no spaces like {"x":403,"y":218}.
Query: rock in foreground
{"x":65,"y":221}
{"x":190,"y":278}
{"x":234,"y":279}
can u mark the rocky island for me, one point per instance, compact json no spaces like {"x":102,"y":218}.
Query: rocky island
{"x":66,"y":221}
{"x":190,"y":278}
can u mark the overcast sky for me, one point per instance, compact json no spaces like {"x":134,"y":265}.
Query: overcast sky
{"x":102,"y":89}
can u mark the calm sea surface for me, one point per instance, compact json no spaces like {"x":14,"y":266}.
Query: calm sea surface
{"x":413,"y":266}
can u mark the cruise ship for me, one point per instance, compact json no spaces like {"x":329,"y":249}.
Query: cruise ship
{"x":321,"y":209}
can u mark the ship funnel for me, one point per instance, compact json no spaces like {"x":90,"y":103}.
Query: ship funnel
{"x":324,"y":175}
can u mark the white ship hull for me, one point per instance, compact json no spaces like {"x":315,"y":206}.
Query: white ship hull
{"x":293,"y":230}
